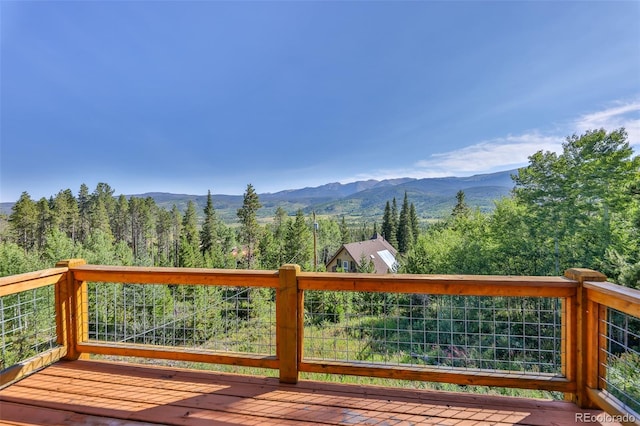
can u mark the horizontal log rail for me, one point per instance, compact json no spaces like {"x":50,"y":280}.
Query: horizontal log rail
{"x":459,"y":285}
{"x":584,"y":295}
{"x":31,"y":280}
{"x":183,"y":276}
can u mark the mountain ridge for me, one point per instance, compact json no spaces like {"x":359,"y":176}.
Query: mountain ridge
{"x":365,"y":199}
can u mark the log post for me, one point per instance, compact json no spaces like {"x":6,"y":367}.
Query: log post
{"x":287,"y":323}
{"x":586,"y":337}
{"x":71,"y":310}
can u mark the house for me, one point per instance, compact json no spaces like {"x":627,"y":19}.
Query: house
{"x":354,"y":256}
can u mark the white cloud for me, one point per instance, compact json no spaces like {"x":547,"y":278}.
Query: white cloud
{"x":623,"y":115}
{"x":496,"y":154}
{"x":513,"y":151}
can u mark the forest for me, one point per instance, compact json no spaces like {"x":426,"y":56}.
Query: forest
{"x":576,"y":208}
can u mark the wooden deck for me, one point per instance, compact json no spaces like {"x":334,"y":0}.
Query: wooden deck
{"x":106,"y":393}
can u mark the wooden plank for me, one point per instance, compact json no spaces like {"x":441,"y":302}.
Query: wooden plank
{"x":569,"y":342}
{"x":612,"y":405}
{"x":583,"y":350}
{"x":464,"y":377}
{"x":287,"y":320}
{"x":136,"y":398}
{"x":251,"y":403}
{"x":467,"y":285}
{"x":21,"y":414}
{"x":623,"y":299}
{"x":300,"y":315}
{"x":53,"y":273}
{"x":591,"y":356}
{"x":179,"y":354}
{"x":602,"y":342}
{"x":68,"y":312}
{"x":18,"y":371}
{"x":36,"y":282}
{"x":190,"y":276}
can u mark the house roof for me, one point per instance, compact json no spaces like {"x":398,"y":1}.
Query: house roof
{"x":377,"y":249}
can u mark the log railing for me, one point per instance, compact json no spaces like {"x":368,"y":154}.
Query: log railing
{"x":570,"y":334}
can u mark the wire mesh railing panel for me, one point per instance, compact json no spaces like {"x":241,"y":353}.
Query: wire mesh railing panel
{"x":621,"y":370}
{"x":520,"y":334}
{"x":27,"y":324}
{"x":228,"y":319}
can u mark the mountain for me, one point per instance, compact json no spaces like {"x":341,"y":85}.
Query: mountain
{"x":357,"y":201}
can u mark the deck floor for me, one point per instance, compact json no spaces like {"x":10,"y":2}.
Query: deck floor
{"x":114,"y":394}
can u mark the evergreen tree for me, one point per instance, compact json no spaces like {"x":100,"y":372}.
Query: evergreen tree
{"x":24,"y":221}
{"x":249,"y":227}
{"x":44,"y":222}
{"x":344,"y":232}
{"x":58,"y":246}
{"x":329,"y":239}
{"x":98,"y":215}
{"x":461,"y":209}
{"x":142,"y":228}
{"x":176,"y":233}
{"x":280,"y":223}
{"x":366,"y":265}
{"x":84,"y":200}
{"x":163,"y":235}
{"x":208,"y":235}
{"x":189,"y":240}
{"x":122,"y":221}
{"x":415,"y":225}
{"x":272,"y":241}
{"x":104,"y":192}
{"x":386,"y":221}
{"x":394,"y":223}
{"x":210,"y":247}
{"x":298,"y":246}
{"x":404,"y":234}
{"x":65,"y":215}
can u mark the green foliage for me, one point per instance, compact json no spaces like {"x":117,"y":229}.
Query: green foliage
{"x":579,"y":201}
{"x":249,"y":227}
{"x":58,"y":246}
{"x":623,"y":377}
{"x":14,"y":261}
{"x":298,"y":243}
{"x":24,"y":221}
{"x":190,"y":256}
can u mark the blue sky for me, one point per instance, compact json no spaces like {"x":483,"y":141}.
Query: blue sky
{"x":189,"y":96}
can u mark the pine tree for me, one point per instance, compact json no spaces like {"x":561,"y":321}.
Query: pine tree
{"x":272,"y":241}
{"x":388,"y":230}
{"x":394,"y":223}
{"x":189,"y":241}
{"x":65,"y":215}
{"x":415,"y":225}
{"x":24,"y":221}
{"x":249,"y":227}
{"x":163,"y":234}
{"x":344,"y":232}
{"x":210,"y":247}
{"x":176,"y":233}
{"x":84,"y":200}
{"x":461,"y":209}
{"x":405,"y":235}
{"x":208,"y":232}
{"x":298,"y":246}
{"x":121,"y":220}
{"x":44,"y":222}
